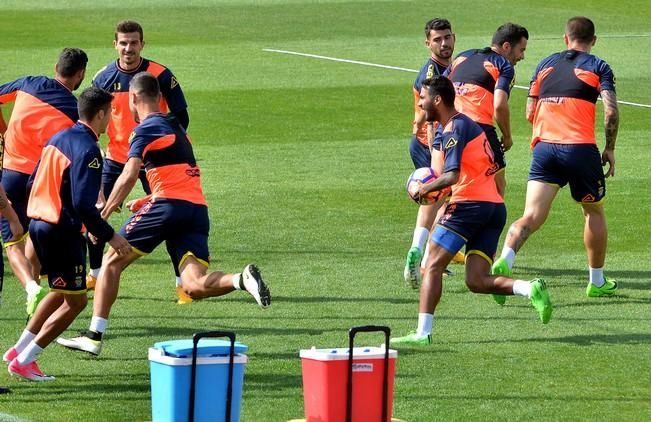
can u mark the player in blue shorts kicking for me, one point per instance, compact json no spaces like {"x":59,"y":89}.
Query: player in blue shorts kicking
{"x":176,"y":213}
{"x":474,"y":217}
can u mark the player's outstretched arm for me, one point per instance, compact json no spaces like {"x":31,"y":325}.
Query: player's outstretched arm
{"x":611,"y":125}
{"x":123,"y":186}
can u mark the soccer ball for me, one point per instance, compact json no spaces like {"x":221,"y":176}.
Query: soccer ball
{"x":417,"y":178}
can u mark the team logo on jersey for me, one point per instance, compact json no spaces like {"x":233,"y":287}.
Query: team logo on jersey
{"x":175,"y":83}
{"x":94,"y":164}
{"x":133,"y":135}
{"x":59,"y":282}
{"x":430,"y":71}
{"x":450,"y":143}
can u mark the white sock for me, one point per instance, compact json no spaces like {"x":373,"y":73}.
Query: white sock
{"x":509,"y":255}
{"x":98,"y":324}
{"x":424,"y":324}
{"x":94,"y":272}
{"x":32,"y":287}
{"x":237,"y":281}
{"x":24,"y":340}
{"x":522,"y":288}
{"x":178,"y":281}
{"x":30,"y":353}
{"x":597,"y":276}
{"x":423,"y":261}
{"x":421,"y":234}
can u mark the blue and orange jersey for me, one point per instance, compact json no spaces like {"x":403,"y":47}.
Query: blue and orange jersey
{"x":567,"y":85}
{"x":476,"y":75}
{"x":67,"y":181}
{"x":116,"y":80}
{"x":42,"y":107}
{"x":430,"y":69}
{"x":166,"y":152}
{"x":467,"y":150}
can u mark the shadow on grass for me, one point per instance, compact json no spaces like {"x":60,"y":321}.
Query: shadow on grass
{"x":582,"y":275}
{"x":272,"y":381}
{"x":163,"y":332}
{"x":129,"y":388}
{"x":579,"y":340}
{"x":334,"y":299}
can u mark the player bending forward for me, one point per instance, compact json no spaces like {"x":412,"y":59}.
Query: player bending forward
{"x":176,"y":212}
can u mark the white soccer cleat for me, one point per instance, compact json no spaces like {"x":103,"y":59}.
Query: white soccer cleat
{"x":82,"y":343}
{"x":255,"y":285}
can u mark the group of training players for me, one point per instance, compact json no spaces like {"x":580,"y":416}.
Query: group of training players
{"x":457,"y":101}
{"x":60,"y":192}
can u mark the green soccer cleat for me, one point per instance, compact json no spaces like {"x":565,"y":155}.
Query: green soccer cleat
{"x":412,"y":267}
{"x":608,"y":289}
{"x":540,"y":299}
{"x":411,"y":339}
{"x":34,"y":300}
{"x":500,"y":267}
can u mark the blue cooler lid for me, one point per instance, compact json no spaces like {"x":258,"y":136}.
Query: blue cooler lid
{"x":205,"y":347}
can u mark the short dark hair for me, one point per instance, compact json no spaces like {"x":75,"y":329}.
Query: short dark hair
{"x":437,"y":24}
{"x":509,"y":32}
{"x":145,"y":84}
{"x":91,"y":101}
{"x":71,"y":61}
{"x":440,"y":85}
{"x":126,"y":26}
{"x":580,"y":28}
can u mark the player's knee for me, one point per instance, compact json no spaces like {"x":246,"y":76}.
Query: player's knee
{"x":76,"y":302}
{"x":192,"y":289}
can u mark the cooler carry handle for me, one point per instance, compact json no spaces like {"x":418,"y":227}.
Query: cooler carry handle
{"x":229,"y":392}
{"x":385,"y":381}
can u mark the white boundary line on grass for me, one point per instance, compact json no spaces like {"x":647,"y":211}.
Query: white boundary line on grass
{"x":402,"y":69}
{"x":6,"y":417}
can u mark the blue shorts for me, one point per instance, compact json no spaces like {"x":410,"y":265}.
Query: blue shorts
{"x":576,"y":164}
{"x":420,"y":154}
{"x":111,"y":170}
{"x":478,"y":225}
{"x":15,"y":185}
{"x":182,"y":224}
{"x":62,"y":253}
{"x":496,"y":145}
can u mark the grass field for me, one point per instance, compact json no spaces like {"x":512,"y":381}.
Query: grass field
{"x":303,"y":164}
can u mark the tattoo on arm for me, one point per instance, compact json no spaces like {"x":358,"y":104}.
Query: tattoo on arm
{"x":531,"y":108}
{"x":611,"y":117}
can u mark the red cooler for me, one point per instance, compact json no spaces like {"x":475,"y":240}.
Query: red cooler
{"x":325,"y":382}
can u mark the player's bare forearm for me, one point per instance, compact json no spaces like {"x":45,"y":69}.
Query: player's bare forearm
{"x":503,"y":117}
{"x":445,"y":180}
{"x":611,"y":118}
{"x":532,"y":102}
{"x":419,"y":120}
{"x":3,"y":124}
{"x":123,"y":187}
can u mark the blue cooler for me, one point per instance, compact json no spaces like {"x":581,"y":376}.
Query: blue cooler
{"x":171,"y":369}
